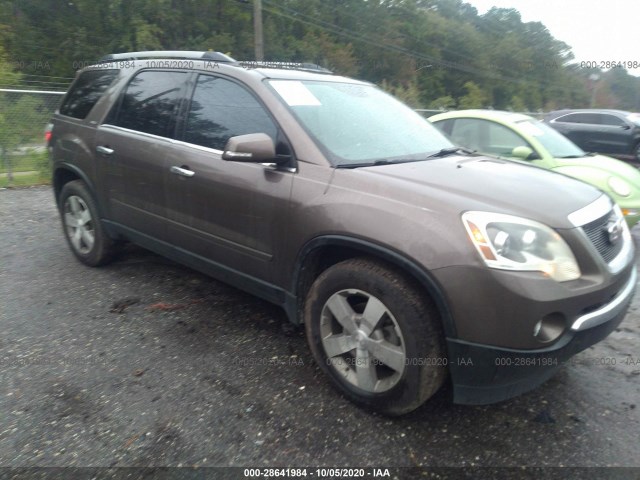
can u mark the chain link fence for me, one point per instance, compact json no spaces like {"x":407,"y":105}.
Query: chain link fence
{"x":24,"y":115}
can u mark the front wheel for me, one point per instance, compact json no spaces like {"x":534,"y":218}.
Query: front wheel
{"x":82,"y":227}
{"x":376,"y":335}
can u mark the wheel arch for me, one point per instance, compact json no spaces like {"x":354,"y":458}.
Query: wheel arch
{"x":322,"y":252}
{"x":65,"y":173}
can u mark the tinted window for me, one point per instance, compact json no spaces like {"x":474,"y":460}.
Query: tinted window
{"x":591,"y":118}
{"x":221,"y":109}
{"x":150,"y":102}
{"x":86,"y":92}
{"x":611,"y":120}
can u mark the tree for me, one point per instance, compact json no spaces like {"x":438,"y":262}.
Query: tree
{"x":407,"y":94}
{"x":475,"y":97}
{"x":443,"y":103}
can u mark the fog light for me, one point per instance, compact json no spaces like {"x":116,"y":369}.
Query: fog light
{"x":550,"y":327}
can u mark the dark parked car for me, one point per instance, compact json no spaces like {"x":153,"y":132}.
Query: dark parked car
{"x":405,"y":258}
{"x":612,"y":132}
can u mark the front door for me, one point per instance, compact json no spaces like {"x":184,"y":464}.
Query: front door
{"x":231,"y":214}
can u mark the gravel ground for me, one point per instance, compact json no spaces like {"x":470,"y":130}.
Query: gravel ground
{"x":147,"y":363}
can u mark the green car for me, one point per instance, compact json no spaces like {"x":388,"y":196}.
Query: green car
{"x":514,"y":136}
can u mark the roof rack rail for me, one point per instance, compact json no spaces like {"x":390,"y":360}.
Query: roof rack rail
{"x":307,"y":67}
{"x":182,"y":54}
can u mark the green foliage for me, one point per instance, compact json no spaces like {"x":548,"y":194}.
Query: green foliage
{"x":475,"y":97}
{"x":517,"y":105}
{"x":429,"y":52}
{"x":443,"y":103}
{"x":408,"y":94}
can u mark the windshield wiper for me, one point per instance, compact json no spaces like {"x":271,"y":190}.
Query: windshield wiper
{"x":374,"y":164}
{"x":451,"y":151}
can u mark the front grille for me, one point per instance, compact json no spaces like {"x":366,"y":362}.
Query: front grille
{"x":597,"y":233}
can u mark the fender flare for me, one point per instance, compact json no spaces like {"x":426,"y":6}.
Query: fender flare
{"x":424,"y":278}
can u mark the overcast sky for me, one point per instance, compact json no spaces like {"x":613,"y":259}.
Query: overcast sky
{"x":596,"y":30}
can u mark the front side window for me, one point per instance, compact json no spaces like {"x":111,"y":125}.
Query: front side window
{"x":634,"y":118}
{"x":221,"y":109}
{"x":502,"y":140}
{"x":151,"y":101}
{"x":611,"y":120}
{"x":86,"y":91}
{"x":556,"y":144}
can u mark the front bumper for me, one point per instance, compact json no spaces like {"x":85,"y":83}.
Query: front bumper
{"x":483,"y":374}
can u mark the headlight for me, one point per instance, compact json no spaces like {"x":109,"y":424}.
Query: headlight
{"x":619,"y":186}
{"x":513,"y":243}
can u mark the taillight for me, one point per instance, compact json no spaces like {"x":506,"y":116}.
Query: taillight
{"x":47,"y":133}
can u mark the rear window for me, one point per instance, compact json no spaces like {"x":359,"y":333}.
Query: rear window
{"x":86,"y":91}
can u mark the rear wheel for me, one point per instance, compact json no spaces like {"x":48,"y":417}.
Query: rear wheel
{"x":82,"y":227}
{"x":376,"y":335}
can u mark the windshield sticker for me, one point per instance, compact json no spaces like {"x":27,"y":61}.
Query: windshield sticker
{"x":531,"y":129}
{"x":295,"y":93}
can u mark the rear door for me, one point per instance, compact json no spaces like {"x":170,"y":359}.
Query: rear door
{"x":615,"y":134}
{"x":132,"y":146}
{"x":231,"y":214}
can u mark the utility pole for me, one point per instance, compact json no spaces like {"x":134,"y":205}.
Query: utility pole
{"x":257,"y":28}
{"x":594,"y":77}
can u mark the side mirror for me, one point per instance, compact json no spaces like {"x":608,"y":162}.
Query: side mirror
{"x":251,"y":148}
{"x":525,"y":153}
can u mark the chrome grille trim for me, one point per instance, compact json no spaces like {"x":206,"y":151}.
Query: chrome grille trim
{"x":591,"y":212}
{"x":597,"y":233}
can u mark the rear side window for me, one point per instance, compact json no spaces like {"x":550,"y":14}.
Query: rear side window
{"x":151,"y":101}
{"x":86,"y":91}
{"x":221,"y":109}
{"x":588,"y":118}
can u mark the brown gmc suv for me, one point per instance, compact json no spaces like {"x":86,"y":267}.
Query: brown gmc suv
{"x":407,"y":259}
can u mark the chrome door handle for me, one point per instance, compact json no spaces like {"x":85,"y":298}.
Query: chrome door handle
{"x":104,"y":150}
{"x":182,"y":171}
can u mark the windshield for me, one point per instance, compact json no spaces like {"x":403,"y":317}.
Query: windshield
{"x":557,"y":144}
{"x":634,"y":118}
{"x":359,"y":124}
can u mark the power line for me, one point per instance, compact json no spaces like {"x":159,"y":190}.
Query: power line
{"x":296,"y":15}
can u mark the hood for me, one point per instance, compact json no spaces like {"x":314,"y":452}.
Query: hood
{"x":453,"y":185}
{"x":607,"y":164}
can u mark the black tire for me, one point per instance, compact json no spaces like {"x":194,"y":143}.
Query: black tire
{"x":81,"y":224}
{"x":407,"y":321}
